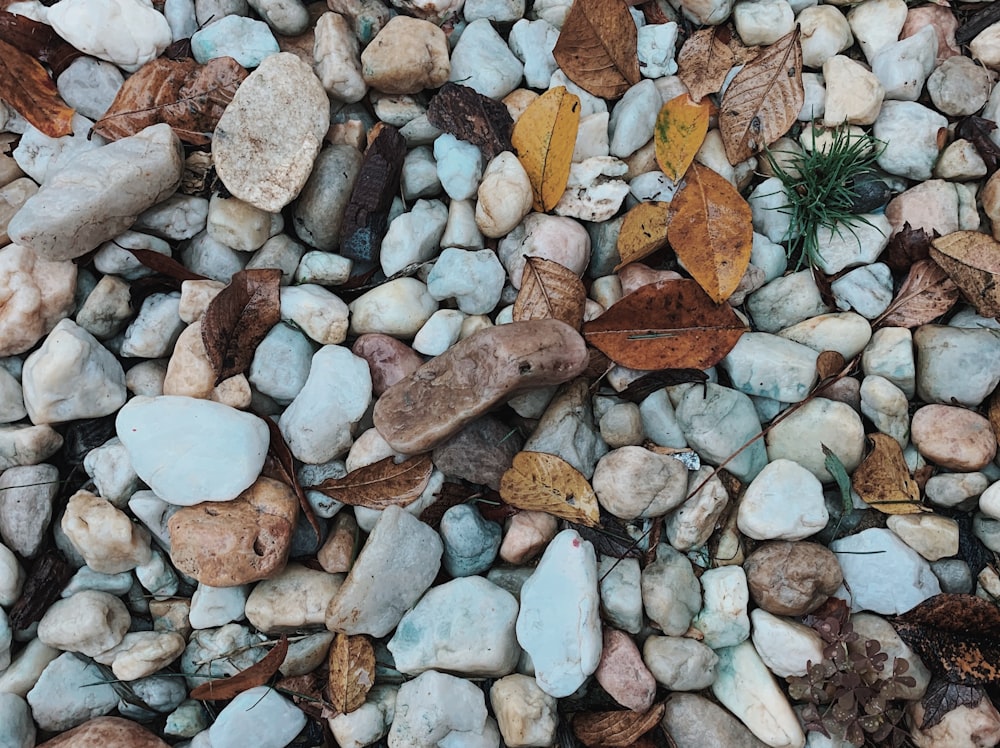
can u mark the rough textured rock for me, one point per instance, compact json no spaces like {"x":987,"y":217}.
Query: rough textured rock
{"x":406,"y":56}
{"x":105,"y":536}
{"x":695,"y":722}
{"x":37,"y":294}
{"x":792,"y":578}
{"x":106,"y":732}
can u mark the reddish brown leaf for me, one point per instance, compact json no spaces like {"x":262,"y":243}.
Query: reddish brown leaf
{"x":470,"y":116}
{"x":907,"y":246}
{"x":596,"y":48}
{"x":26,"y":86}
{"x":238,"y":318}
{"x":829,"y":363}
{"x":306,"y":692}
{"x":925,"y":295}
{"x":163,"y":264}
{"x":616,"y":729}
{"x":550,"y":290}
{"x":381,"y":484}
{"x":38,"y":40}
{"x":977,"y":131}
{"x":284,"y":470}
{"x":187,"y":96}
{"x":451,"y":494}
{"x":256,"y":675}
{"x":49,"y":574}
{"x":352,"y":672}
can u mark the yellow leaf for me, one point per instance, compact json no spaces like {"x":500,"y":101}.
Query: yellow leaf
{"x":883,"y":481}
{"x":541,"y":482}
{"x":681,"y":128}
{"x":544,"y":138}
{"x":711,"y":231}
{"x":643,"y":231}
{"x":351,"y":663}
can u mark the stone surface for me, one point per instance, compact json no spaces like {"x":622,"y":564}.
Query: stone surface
{"x":694,"y":721}
{"x":723,"y":616}
{"x":406,"y":56}
{"x":294,"y":599}
{"x":680,"y":664}
{"x":39,"y":294}
{"x":785,"y":501}
{"x":566,"y":429}
{"x":792,"y":578}
{"x":470,"y":542}
{"x":956,"y":363}
{"x":526,"y":715}
{"x":671,"y":593}
{"x":633,"y":482}
{"x":70,"y":692}
{"x":26,"y":507}
{"x":110,"y":732}
{"x":125,"y":32}
{"x":105,"y":536}
{"x":766,"y":365}
{"x":398,"y":308}
{"x":479,"y":42}
{"x":259,"y":716}
{"x":953,"y":438}
{"x":786,"y":647}
{"x":435,"y":709}
{"x":474,"y":279}
{"x":89,"y":622}
{"x":800,"y":437}
{"x":622,"y":673}
{"x":504,"y":196}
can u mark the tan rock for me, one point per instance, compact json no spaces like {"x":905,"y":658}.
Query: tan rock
{"x":104,"y":535}
{"x":790,"y":578}
{"x":406,"y":56}
{"x":932,"y":536}
{"x":12,"y":197}
{"x":35,"y":295}
{"x":389,"y":359}
{"x":341,"y":546}
{"x":295,"y":599}
{"x":504,"y":196}
{"x":190,"y":373}
{"x":527,"y":536}
{"x":953,"y":438}
{"x":196,"y":296}
{"x":944,"y":24}
{"x":235,"y":542}
{"x":142,"y":653}
{"x":853,"y":93}
{"x":89,"y":622}
{"x":963,"y":727}
{"x":106,"y":732}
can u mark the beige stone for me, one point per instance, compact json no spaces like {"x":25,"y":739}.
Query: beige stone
{"x":142,"y":653}
{"x":12,"y":197}
{"x":196,"y":295}
{"x":791,"y":578}
{"x":34,"y":295}
{"x":295,"y":599}
{"x":190,"y":373}
{"x":106,"y":732}
{"x":853,"y":94}
{"x":527,"y":536}
{"x":504,"y":196}
{"x":341,"y":546}
{"x":963,"y":727}
{"x":89,"y":622}
{"x":104,"y":535}
{"x":406,"y":56}
{"x":953,"y":437}
{"x":931,"y":535}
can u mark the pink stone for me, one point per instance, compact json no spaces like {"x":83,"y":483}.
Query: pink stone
{"x":636,"y":275}
{"x":931,"y":206}
{"x":944,"y":22}
{"x":527,"y":536}
{"x":953,"y":438}
{"x":389,"y":359}
{"x":622,"y":673}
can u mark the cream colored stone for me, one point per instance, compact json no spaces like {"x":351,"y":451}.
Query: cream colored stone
{"x":142,"y":653}
{"x":12,"y":197}
{"x":296,"y":598}
{"x":190,"y":373}
{"x":406,"y":56}
{"x":931,"y":535}
{"x":853,"y":94}
{"x":105,"y":536}
{"x":34,"y":295}
{"x":196,"y":296}
{"x":504,"y":196}
{"x":89,"y":622}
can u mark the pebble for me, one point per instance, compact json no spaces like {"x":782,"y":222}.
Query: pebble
{"x":954,"y":489}
{"x":17,"y":730}
{"x":785,"y":502}
{"x":956,"y":365}
{"x":142,"y":653}
{"x":763,"y":23}
{"x":910,"y":132}
{"x":281,"y":363}
{"x":27,"y":445}
{"x":190,"y":373}
{"x":39,"y":293}
{"x":964,"y":725}
{"x":595,"y":189}
{"x":800,"y":437}
{"x":932,"y":205}
{"x":621,"y":593}
{"x":558,"y":624}
{"x":406,"y":56}
{"x":621,"y":426}
{"x":691,"y":524}
{"x":825,"y":32}
{"x":113,"y":732}
{"x":419,"y":176}
{"x":890,"y":354}
{"x":953,"y":438}
{"x":89,"y":86}
{"x":532,"y":42}
{"x":465,"y":626}
{"x":237,"y":224}
{"x":155,"y":330}
{"x":504,"y":196}
{"x":932,"y":536}
{"x":694,"y":721}
{"x":294,"y":599}
{"x":723,"y":617}
{"x":633,"y":118}
{"x":555,"y":238}
{"x":566,"y":429}
{"x":216,"y":653}
{"x":902,"y":67}
{"x":70,"y":692}
{"x":12,"y":197}
{"x":982,"y":47}
{"x":866,"y":290}
{"x":766,"y":365}
{"x":671,"y":594}
{"x":858,"y":244}
{"x":459,"y":166}
{"x":622,"y":673}
{"x":414,"y":236}
{"x":633,"y":482}
{"x":259,"y":716}
{"x":26,"y":667}
{"x":886,"y":406}
{"x":853,"y":93}
{"x":389,"y":360}
{"x":786,"y":301}
{"x":212,"y":607}
{"x":435,"y":708}
{"x":88,"y":579}
{"x":104,"y":535}
{"x":786,"y":647}
{"x":26,"y":509}
{"x":474,"y":279}
{"x":367,"y":17}
{"x":526,"y":715}
{"x":680,"y":664}
{"x":246,"y":40}
{"x":89,"y":622}
{"x":767,"y":202}
{"x":479,"y":42}
{"x":319,"y":211}
{"x":368,"y":723}
{"x":398,"y":308}
{"x":288,"y":17}
{"x":960,"y":161}
{"x":790,"y":578}
{"x":125,"y":32}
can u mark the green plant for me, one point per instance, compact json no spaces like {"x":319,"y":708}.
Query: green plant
{"x":827,"y":186}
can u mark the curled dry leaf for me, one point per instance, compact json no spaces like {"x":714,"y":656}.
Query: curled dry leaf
{"x":681,"y":127}
{"x":26,"y":86}
{"x":616,"y":729}
{"x":38,"y":40}
{"x":238,"y":318}
{"x":908,"y":245}
{"x":256,"y":675}
{"x":543,"y":139}
{"x":187,"y":96}
{"x":381,"y":484}
{"x":926,"y":294}
{"x":470,"y":116}
{"x":550,"y":290}
{"x":883,"y":480}
{"x":829,"y":364}
{"x":972,"y":261}
{"x":711,"y":231}
{"x":643,"y":231}
{"x":670,"y":324}
{"x":764,"y":99}
{"x":977,"y":131}
{"x":164,"y":264}
{"x":541,"y":482}
{"x":597,"y":47}
{"x":352,"y":671}
{"x":282,"y":466}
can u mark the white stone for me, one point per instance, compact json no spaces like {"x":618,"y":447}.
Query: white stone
{"x":932,"y":536}
{"x":177,"y":217}
{"x":656,"y":49}
{"x":693,"y":522}
{"x":984,"y":47}
{"x":26,"y":667}
{"x":902,"y":67}
{"x":533,"y":42}
{"x":767,"y":203}
{"x":633,"y":118}
{"x":27,"y":445}
{"x":319,"y":313}
{"x":17,"y":730}
{"x":671,"y":594}
{"x":633,"y":482}
{"x":786,"y":647}
{"x":707,"y":12}
{"x":12,"y":578}
{"x":679,"y":664}
{"x":555,"y":238}
{"x":281,"y":362}
{"x":216,"y":606}
{"x":482,"y":61}
{"x":595,"y":190}
{"x":858,"y":243}
{"x":459,"y":168}
{"x":436,"y":709}
{"x":338,"y":58}
{"x":801,"y":436}
{"x":157,"y":576}
{"x":323,"y":268}
{"x":104,"y":535}
{"x":88,"y":622}
{"x":767,"y":365}
{"x":128,"y":33}
{"x":762,"y":22}
{"x":504,"y":195}
{"x":260,"y":717}
{"x":876,"y":24}
{"x":439,"y":333}
{"x":368,"y":723}
{"x":414,"y":236}
{"x":419,"y":177}
{"x":41,"y":156}
{"x":142,"y":653}
{"x":866,"y":290}
{"x":398,"y":308}
{"x":825,"y":32}
{"x":785,"y":501}
{"x":910,"y":131}
{"x":154,"y":331}
{"x":294,"y":599}
{"x":462,"y":231}
{"x":723,"y":617}
{"x":621,"y":593}
{"x":853,"y":93}
{"x":26,"y":510}
{"x":70,"y":692}
{"x":237,"y":224}
{"x":113,"y":257}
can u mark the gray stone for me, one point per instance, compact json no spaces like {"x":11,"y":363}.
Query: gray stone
{"x":766,"y":365}
{"x":69,"y":692}
{"x":438,"y":709}
{"x":956,"y":364}
{"x":17,"y":730}
{"x":820,"y":422}
{"x":671,"y":592}
{"x":890,"y":354}
{"x":679,"y":664}
{"x":633,"y":118}
{"x":567,"y":430}
{"x":280,"y":365}
{"x":784,"y":502}
{"x":723,"y":617}
{"x":89,"y":86}
{"x":633,"y":482}
{"x":26,"y":496}
{"x":909,"y":131}
{"x":621,"y":593}
{"x":471,"y":542}
{"x":785,"y":301}
{"x":695,"y":722}
{"x":887,"y":407}
{"x":319,"y":210}
{"x":866,"y":290}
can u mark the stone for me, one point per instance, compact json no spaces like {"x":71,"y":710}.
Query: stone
{"x":532,"y":42}
{"x":26,"y":508}
{"x":671,"y":594}
{"x":566,"y":429}
{"x":694,"y":721}
{"x":786,"y":301}
{"x":621,"y":593}
{"x":680,"y":664}
{"x":189,"y":450}
{"x":368,"y":723}
{"x":983,"y":47}
{"x":555,"y":238}
{"x":952,"y":489}
{"x":27,"y":445}
{"x":105,"y":536}
{"x":406,"y":56}
{"x":396,"y":565}
{"x":767,"y":365}
{"x":919,"y":126}
{"x":932,"y":536}
{"x":259,"y":716}
{"x":13,"y":577}
{"x":89,"y":622}
{"x":398,"y":308}
{"x":89,"y":86}
{"x":621,"y":426}
{"x":889,"y":354}
{"x":861,"y":245}
{"x":960,"y":161}
{"x":481,"y":452}
{"x":801,"y":436}
{"x":723,"y":617}
{"x":107,"y":308}
{"x":633,"y":118}
{"x":956,"y":365}
{"x":824,"y":33}
{"x":786,"y":647}
{"x":479,"y":42}
{"x":414,"y":236}
{"x":100,"y":194}
{"x":953,"y":437}
{"x":558,"y":624}
{"x":471,"y":542}
{"x":435,"y":708}
{"x":887,"y":407}
{"x":763,"y":22}
{"x":280,"y":365}
{"x":788,"y":578}
{"x":319,"y":211}
{"x":295,"y":599}
{"x":142,"y":653}
{"x":106,"y":731}
{"x":902,"y":67}
{"x":287,"y":18}
{"x":526,"y":715}
{"x":87,"y":579}
{"x":236,"y":542}
{"x":26,"y":666}
{"x":784,"y":502}
{"x":337,"y":54}
{"x":246,"y":40}
{"x":190,"y":372}
{"x":12,"y":197}
{"x":622,"y":673}
{"x":419,"y":177}
{"x":866,"y":290}
{"x":212,"y":607}
{"x":216,"y":653}
{"x":17,"y":730}
{"x":260,"y":162}
{"x":237,"y":224}
{"x":474,"y":279}
{"x":389,"y":360}
{"x":853,"y":94}
{"x":633,"y":482}
{"x":963,"y":726}
{"x":693,"y":522}
{"x":155,"y":330}
{"x":125,"y":32}
{"x":504,"y":196}
{"x":707,"y":12}
{"x":595,"y":189}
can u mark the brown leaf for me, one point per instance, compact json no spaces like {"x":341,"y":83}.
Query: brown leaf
{"x":306,"y":692}
{"x":643,"y":232}
{"x":238,"y":318}
{"x":284,"y":471}
{"x":544,"y":138}
{"x":163,"y":264}
{"x":470,"y":116}
{"x":704,"y":61}
{"x":763,"y":100}
{"x":26,"y":86}
{"x":541,"y":482}
{"x":49,"y":574}
{"x":38,"y":40}
{"x":597,"y":47}
{"x":256,"y":675}
{"x":883,"y":480}
{"x":451,"y":494}
{"x":670,"y":324}
{"x":711,"y":231}
{"x":187,"y":96}
{"x":352,"y":671}
{"x":381,"y":484}
{"x":550,"y":291}
{"x":926,"y":294}
{"x":907,"y":246}
{"x":977,"y":131}
{"x":616,"y":729}
{"x":829,"y":363}
{"x":641,"y":388}
{"x":972,"y":261}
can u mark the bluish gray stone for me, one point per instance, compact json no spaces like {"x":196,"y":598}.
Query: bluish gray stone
{"x":245,"y":40}
{"x":471,"y":542}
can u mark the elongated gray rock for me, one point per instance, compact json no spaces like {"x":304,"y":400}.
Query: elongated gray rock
{"x":99,"y":194}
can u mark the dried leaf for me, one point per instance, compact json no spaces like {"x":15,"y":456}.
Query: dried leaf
{"x":49,"y":574}
{"x":470,"y":116}
{"x":26,"y":86}
{"x":352,"y":671}
{"x":611,"y":538}
{"x":597,"y":47}
{"x":306,"y":692}
{"x":972,"y":261}
{"x":164,"y":264}
{"x":641,"y":388}
{"x":670,"y":324}
{"x":643,"y":232}
{"x":284,"y":470}
{"x":256,"y":675}
{"x":829,"y":363}
{"x":681,"y":127}
{"x":704,"y":61}
{"x":711,"y":231}
{"x":977,"y":131}
{"x":541,"y":482}
{"x":883,"y":480}
{"x":926,"y":294}
{"x":994,"y":413}
{"x":764,"y":99}
{"x":187,"y":96}
{"x":942,"y":696}
{"x":238,"y":318}
{"x":451,"y":494}
{"x":543,"y":139}
{"x":907,"y":246}
{"x":616,"y":729}
{"x":38,"y":40}
{"x":381,"y":484}
{"x":550,"y":291}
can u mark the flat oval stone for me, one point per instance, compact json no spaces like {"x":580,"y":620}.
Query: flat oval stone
{"x":953,"y":438}
{"x":473,"y":376}
{"x":106,"y":732}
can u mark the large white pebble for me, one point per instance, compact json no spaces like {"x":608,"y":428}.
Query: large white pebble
{"x":128,"y":33}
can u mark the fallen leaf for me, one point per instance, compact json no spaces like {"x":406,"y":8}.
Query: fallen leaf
{"x":306,"y":692}
{"x":164,"y":264}
{"x":943,"y":696}
{"x":977,"y":131}
{"x":470,"y":116}
{"x":187,"y":96}
{"x":38,"y":40}
{"x":764,"y":99}
{"x":550,"y":291}
{"x":284,"y":470}
{"x":704,"y":61}
{"x":381,"y":484}
{"x":619,"y":729}
{"x":907,"y":246}
{"x":681,"y":127}
{"x":610,"y":538}
{"x":26,"y":86}
{"x":926,"y":294}
{"x":711,"y":231}
{"x":597,"y":47}
{"x":883,"y":480}
{"x":972,"y":260}
{"x":670,"y":324}
{"x":238,"y":318}
{"x":994,"y":413}
{"x":48,"y":576}
{"x":829,"y":363}
{"x":541,"y":482}
{"x":256,"y":675}
{"x":643,"y":231}
{"x":451,"y":494}
{"x":543,"y":139}
{"x":352,"y":671}
{"x":641,"y":388}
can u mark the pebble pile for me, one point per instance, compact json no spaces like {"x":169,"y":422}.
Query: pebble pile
{"x":121,"y":452}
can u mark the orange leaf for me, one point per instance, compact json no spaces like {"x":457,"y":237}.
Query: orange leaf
{"x":550,"y":290}
{"x":643,"y":231}
{"x":711,"y":231}
{"x":544,"y":137}
{"x":352,"y":671}
{"x":927,"y":293}
{"x":381,"y":484}
{"x":706,"y":58}
{"x":616,"y":729}
{"x":26,"y":86}
{"x":255,"y":675}
{"x":681,"y":128}
{"x":883,"y":480}
{"x":597,"y":47}
{"x":540,"y":482}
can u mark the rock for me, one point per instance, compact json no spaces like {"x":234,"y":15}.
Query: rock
{"x":887,"y":407}
{"x":259,"y":161}
{"x":27,"y":445}
{"x":800,"y":437}
{"x":471,"y":543}
{"x":465,"y":626}
{"x":105,"y":536}
{"x":398,"y":308}
{"x":621,"y":426}
{"x":633,"y":118}
{"x":932,"y":205}
{"x":983,"y":47}
{"x":389,"y":360}
{"x":956,"y":364}
{"x":953,"y":437}
{"x":13,"y":577}
{"x":919,"y":126}
{"x":723,"y":616}
{"x":89,"y":86}
{"x":212,"y":607}
{"x":473,"y":279}
{"x":825,"y":32}
{"x":951,"y":489}
{"x":693,"y":721}
{"x":107,"y":308}
{"x":70,"y":692}
{"x":621,"y":593}
{"x":526,"y":715}
{"x":396,"y":565}
{"x":792,"y":578}
{"x":459,"y":166}
{"x":337,"y":55}
{"x":680,"y":664}
{"x":39,"y":293}
{"x":89,"y":622}
{"x":786,"y":647}
{"x":766,"y":365}
{"x":295,"y":599}
{"x":481,"y":452}
{"x":853,"y":94}
{"x":280,"y":365}
{"x":566,"y":429}
{"x":414,"y":236}
{"x":786,"y":301}
{"x":368,"y":723}
{"x":12,"y":197}
{"x":419,"y":176}
{"x":189,"y":450}
{"x":125,"y":32}
{"x":406,"y":56}
{"x":693,"y":522}
{"x":259,"y":716}
{"x":237,"y":542}
{"x":216,"y":653}
{"x":246,"y":40}
{"x":963,"y":726}
{"x":17,"y":730}
{"x":142,"y":653}
{"x":671,"y":594}
{"x":633,"y":482}
{"x":558,"y":624}
{"x":785,"y":501}
{"x":504,"y":196}
{"x":707,"y":12}
{"x":622,"y":674}
{"x":767,"y":210}
{"x":434,"y":708}
{"x":931,"y":535}
{"x":154,"y":332}
{"x":595,"y":190}
{"x":902,"y":67}
{"x":111,"y":732}
{"x":88,"y":579}
{"x":841,"y":249}
{"x":480,"y":43}
{"x":237,"y":224}
{"x":960,"y":161}
{"x":867,"y":290}
{"x":532,"y":42}
{"x":889,"y":354}
{"x":319,"y":210}
{"x":26,"y":509}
